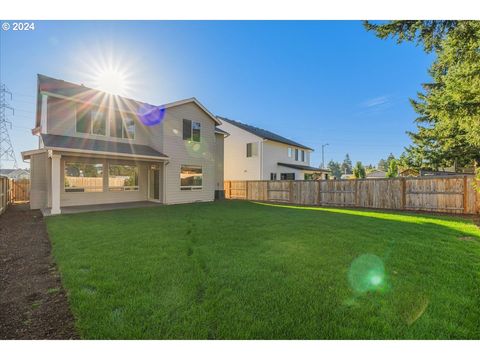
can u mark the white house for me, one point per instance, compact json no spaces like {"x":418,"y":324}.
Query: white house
{"x":251,"y":153}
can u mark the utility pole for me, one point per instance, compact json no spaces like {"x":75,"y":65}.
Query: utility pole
{"x":6,"y":148}
{"x":323,"y":155}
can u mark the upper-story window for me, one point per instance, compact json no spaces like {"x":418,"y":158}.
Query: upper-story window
{"x":289,"y":152}
{"x":296,"y":154}
{"x":252,"y":149}
{"x":99,"y":122}
{"x":122,"y":126}
{"x":303,"y":155}
{"x":191,"y":130}
{"x":94,"y":121}
{"x":91,"y":121}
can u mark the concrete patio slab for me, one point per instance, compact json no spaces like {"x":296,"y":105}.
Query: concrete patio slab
{"x":103,"y":207}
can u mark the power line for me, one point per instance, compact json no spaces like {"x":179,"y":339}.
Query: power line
{"x":6,"y":148}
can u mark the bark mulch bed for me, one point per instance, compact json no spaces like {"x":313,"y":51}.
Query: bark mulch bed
{"x":33,"y":302}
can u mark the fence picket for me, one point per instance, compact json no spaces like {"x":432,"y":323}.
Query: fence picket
{"x":452,"y":194}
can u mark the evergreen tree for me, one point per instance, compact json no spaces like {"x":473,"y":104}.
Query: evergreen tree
{"x":359,"y":171}
{"x":392,"y":169}
{"x":346,"y":165}
{"x":335,"y":168}
{"x":382,"y":165}
{"x":448,"y":129}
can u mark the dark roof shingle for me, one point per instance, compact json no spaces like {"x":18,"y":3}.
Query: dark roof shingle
{"x":264,"y":134}
{"x":70,"y":142}
{"x":301,"y":167}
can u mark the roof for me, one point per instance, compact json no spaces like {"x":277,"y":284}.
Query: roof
{"x":302,"y":167}
{"x":5,"y":172}
{"x":220,"y":131}
{"x":81,"y":93}
{"x":12,"y":173}
{"x":51,"y":141}
{"x":264,"y":134}
{"x":377,"y":173}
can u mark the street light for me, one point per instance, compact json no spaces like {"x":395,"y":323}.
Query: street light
{"x":323,"y":155}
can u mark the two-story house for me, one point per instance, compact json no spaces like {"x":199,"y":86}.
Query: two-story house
{"x":97,"y":148}
{"x":252,"y":153}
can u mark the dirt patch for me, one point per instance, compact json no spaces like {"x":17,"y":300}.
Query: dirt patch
{"x":33,"y":303}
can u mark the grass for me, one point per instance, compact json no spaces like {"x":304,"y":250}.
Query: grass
{"x":242,"y":270}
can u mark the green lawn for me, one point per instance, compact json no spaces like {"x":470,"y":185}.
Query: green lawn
{"x":242,"y":270}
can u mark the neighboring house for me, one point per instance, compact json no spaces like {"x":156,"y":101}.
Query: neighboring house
{"x":443,"y":173}
{"x":252,"y":153}
{"x":409,"y":173}
{"x":375,"y":174}
{"x":16,"y":174}
{"x":97,"y":148}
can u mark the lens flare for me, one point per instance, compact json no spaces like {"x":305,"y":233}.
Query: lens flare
{"x":151,"y":115}
{"x":367,"y":273}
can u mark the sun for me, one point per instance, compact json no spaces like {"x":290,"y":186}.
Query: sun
{"x":112,"y":81}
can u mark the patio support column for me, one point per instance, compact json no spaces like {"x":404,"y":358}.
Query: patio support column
{"x":55,"y":184}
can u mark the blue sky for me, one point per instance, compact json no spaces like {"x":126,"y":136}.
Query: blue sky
{"x":315,"y":82}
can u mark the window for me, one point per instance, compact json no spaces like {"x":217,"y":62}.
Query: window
{"x":296,"y":154}
{"x":289,"y":152}
{"x":122,"y":177}
{"x":84,"y":120}
{"x":252,"y":149}
{"x":303,"y":155}
{"x":83,"y":177}
{"x":129,"y":128}
{"x":196,"y":131}
{"x":287,"y":176}
{"x":191,"y":130}
{"x":122,"y":126}
{"x":191,"y":177}
{"x":99,"y":122}
{"x":91,"y":121}
{"x":273,"y":176}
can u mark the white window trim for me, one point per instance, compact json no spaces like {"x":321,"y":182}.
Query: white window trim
{"x":191,"y":131}
{"x":108,"y":124}
{"x":190,"y":187}
{"x":83,"y":192}
{"x":123,"y":188}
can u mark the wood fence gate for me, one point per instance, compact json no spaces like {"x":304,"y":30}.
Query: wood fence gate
{"x":19,"y":190}
{"x":450,"y":194}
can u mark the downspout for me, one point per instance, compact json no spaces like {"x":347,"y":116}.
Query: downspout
{"x":261,"y":159}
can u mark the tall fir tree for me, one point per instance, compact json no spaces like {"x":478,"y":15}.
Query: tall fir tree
{"x":448,"y":126}
{"x":347,"y":165}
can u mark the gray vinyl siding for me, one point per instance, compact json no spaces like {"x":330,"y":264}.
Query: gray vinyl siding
{"x":183,"y":152}
{"x":61,"y":115}
{"x":38,"y":181}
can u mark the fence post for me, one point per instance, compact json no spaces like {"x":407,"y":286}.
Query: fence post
{"x":290,"y":192}
{"x":246,"y":190}
{"x":356,"y":192}
{"x":404,"y":193}
{"x":465,"y":194}
{"x":319,"y":196}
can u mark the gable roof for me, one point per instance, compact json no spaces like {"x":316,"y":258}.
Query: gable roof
{"x":264,"y":134}
{"x":81,"y":93}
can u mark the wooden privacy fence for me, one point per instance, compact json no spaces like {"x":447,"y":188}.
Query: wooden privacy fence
{"x":4,"y":194}
{"x":19,"y":190}
{"x":452,"y":194}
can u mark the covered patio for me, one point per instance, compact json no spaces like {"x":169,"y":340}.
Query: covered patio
{"x":77,"y":175}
